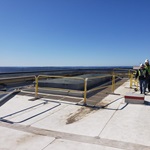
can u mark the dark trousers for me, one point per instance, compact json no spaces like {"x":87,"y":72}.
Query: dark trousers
{"x":148,"y":83}
{"x":142,"y":86}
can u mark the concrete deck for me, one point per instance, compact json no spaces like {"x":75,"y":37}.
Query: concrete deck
{"x":53,"y":124}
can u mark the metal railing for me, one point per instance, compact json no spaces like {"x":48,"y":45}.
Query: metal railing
{"x":56,"y":89}
{"x":124,"y":71}
{"x":113,"y":79}
{"x":133,"y":81}
{"x":131,"y":75}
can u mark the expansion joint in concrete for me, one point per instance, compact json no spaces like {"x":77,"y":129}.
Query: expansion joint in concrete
{"x":75,"y":137}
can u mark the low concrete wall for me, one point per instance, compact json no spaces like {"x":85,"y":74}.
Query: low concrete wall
{"x":75,"y":84}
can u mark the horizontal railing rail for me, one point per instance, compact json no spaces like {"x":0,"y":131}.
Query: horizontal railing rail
{"x":110,"y":78}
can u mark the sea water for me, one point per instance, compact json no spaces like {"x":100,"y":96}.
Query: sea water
{"x":34,"y":69}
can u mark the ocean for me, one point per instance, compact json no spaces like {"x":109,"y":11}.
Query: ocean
{"x":38,"y":69}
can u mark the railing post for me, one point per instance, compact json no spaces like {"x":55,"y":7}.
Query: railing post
{"x":131,"y":80}
{"x":137,"y":84}
{"x":36,"y":87}
{"x":129,"y":73}
{"x":113,"y":83}
{"x":85,"y":90}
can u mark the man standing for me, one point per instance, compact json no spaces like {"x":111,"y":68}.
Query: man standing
{"x":147,"y":67}
{"x":142,"y":75}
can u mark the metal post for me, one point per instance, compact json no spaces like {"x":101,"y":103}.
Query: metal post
{"x":113,"y":83}
{"x":129,"y":73}
{"x":137,"y":84}
{"x":131,"y":80}
{"x":36,"y":87}
{"x":85,"y":90}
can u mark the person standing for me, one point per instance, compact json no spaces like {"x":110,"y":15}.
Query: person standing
{"x":147,"y":67}
{"x":142,"y":75}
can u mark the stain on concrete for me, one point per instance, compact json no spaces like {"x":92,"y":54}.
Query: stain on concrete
{"x":26,"y":138}
{"x":81,"y":113}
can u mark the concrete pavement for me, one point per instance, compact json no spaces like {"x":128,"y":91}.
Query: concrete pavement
{"x":49,"y":124}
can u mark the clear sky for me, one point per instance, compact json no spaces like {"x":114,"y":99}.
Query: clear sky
{"x":74,"y":32}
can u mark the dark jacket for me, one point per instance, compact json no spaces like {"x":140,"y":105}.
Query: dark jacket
{"x":142,"y":74}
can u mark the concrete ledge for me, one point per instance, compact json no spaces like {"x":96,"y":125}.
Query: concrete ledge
{"x":75,"y":84}
{"x":134,"y":98}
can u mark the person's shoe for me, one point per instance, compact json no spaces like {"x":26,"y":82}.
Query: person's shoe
{"x":145,"y":94}
{"x":135,"y":89}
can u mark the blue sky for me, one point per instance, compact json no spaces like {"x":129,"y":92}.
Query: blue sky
{"x":74,"y":32}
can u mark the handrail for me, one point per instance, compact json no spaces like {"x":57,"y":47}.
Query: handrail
{"x":48,"y":76}
{"x":133,"y":80}
{"x":130,"y":71}
{"x":123,"y":69}
{"x":99,"y":77}
{"x":113,"y":78}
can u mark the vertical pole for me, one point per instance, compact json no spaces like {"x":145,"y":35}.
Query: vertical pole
{"x":85,"y":90}
{"x":131,"y":80}
{"x":129,"y":73}
{"x":137,"y":84}
{"x":113,"y":83}
{"x":113,"y":72}
{"x":36,"y":87}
